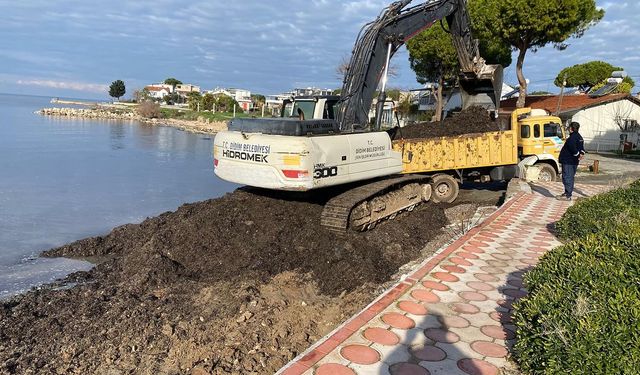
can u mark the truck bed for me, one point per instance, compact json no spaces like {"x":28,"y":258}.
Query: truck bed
{"x":422,"y":155}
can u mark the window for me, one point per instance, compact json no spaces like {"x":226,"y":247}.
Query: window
{"x":630,"y":125}
{"x":552,"y":130}
{"x":287,"y":110}
{"x":330,"y":109}
{"x":536,"y":131}
{"x":525,"y":131}
{"x":307,"y":107}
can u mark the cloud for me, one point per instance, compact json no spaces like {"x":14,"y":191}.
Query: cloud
{"x":270,"y":45}
{"x":77,"y":86}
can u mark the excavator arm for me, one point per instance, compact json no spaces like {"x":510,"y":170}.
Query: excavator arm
{"x":480,"y":83}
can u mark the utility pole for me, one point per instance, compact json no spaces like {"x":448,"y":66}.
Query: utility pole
{"x":564,"y":83}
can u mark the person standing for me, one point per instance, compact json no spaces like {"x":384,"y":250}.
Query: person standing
{"x":570,"y":155}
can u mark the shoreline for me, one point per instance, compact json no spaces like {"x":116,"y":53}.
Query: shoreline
{"x":202,"y":126}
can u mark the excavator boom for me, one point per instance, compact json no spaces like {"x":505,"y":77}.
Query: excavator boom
{"x":307,"y":152}
{"x":480,"y":83}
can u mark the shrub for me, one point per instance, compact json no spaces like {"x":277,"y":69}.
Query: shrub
{"x":601,"y":212}
{"x":582,"y":314}
{"x":149,"y":110}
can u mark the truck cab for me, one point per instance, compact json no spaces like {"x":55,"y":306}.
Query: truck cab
{"x":311,"y":107}
{"x":540,"y":139}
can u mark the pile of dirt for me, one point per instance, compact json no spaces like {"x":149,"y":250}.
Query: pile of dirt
{"x":239,"y":284}
{"x":472,"y":120}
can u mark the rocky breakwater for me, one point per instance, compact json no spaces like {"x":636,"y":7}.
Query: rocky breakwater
{"x":201,"y":125}
{"x":91,"y":113}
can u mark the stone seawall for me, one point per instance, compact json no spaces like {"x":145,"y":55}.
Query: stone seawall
{"x":91,"y":113}
{"x":201,"y":125}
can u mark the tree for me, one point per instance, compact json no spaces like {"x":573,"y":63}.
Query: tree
{"x":341,"y":69}
{"x":434,"y":58}
{"x":533,"y":24}
{"x":172,"y":98}
{"x":405,"y":105}
{"x":623,"y":88}
{"x":173,"y":82}
{"x":207,"y":102}
{"x":394,"y":94}
{"x":193,"y":99}
{"x":141,"y":95}
{"x":586,"y":76}
{"x":258,"y":100}
{"x":225,"y":103}
{"x":117,"y":89}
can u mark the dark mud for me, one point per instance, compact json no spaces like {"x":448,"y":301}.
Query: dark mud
{"x":239,"y":284}
{"x":470,"y":121}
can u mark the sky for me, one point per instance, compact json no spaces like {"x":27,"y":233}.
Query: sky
{"x":77,"y":48}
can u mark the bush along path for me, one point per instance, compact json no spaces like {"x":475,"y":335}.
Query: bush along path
{"x":453,"y":314}
{"x":583,"y":312}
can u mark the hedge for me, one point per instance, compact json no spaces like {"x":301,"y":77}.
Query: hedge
{"x":582,"y":314}
{"x":600,"y":212}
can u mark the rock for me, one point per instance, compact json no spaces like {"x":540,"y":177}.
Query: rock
{"x":199,"y":371}
{"x":244,"y":317}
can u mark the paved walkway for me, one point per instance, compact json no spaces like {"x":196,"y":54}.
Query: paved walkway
{"x":452,"y":315}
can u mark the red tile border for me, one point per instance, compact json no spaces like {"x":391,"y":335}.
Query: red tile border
{"x":295,"y":369}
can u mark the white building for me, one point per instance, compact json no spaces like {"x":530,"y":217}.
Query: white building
{"x":604,"y":121}
{"x":159,"y":90}
{"x":184,"y":89}
{"x":273,"y":103}
{"x":311,"y":91}
{"x":243,"y":97}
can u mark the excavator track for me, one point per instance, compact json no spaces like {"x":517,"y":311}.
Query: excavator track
{"x":361,"y":208}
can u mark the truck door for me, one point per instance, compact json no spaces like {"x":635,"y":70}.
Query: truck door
{"x":553,"y":138}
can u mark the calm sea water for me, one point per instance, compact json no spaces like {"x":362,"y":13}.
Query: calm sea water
{"x":66,"y":179}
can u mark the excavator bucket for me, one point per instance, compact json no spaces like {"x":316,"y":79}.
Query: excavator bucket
{"x":483,"y":89}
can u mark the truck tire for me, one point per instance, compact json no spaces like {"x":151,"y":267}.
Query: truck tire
{"x":547,"y":173}
{"x":444,"y":188}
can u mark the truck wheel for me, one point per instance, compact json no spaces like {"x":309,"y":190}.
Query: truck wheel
{"x":445,"y":188}
{"x":547,"y":173}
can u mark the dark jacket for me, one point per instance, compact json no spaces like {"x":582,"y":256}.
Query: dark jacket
{"x":573,"y":147}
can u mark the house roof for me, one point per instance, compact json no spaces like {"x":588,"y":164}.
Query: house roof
{"x":570,"y":103}
{"x":155,"y":88}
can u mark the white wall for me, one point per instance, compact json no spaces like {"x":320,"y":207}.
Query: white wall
{"x":599,"y":128}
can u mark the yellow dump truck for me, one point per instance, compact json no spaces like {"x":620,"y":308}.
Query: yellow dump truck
{"x":528,"y":139}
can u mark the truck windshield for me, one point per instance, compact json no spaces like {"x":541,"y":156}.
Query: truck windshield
{"x":552,"y":129}
{"x":307,"y":107}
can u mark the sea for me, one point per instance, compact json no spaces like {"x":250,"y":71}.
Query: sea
{"x":64,"y":179}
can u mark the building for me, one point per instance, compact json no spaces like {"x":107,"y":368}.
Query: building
{"x":273,"y":103}
{"x":243,"y":97}
{"x":184,"y":89}
{"x":159,"y":90}
{"x":311,"y":91}
{"x":604,"y":121}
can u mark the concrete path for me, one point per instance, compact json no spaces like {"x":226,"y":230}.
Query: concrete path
{"x":452,"y":314}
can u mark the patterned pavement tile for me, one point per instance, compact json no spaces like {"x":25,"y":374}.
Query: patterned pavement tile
{"x":451,"y":315}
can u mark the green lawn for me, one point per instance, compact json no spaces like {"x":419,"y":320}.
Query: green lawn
{"x":193,"y":115}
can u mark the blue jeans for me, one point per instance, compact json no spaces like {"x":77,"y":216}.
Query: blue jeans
{"x":568,"y":174}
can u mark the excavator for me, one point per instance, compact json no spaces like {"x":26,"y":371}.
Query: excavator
{"x":304,"y":152}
